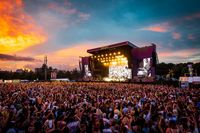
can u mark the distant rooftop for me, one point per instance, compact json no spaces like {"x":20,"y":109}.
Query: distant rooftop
{"x":115,"y":45}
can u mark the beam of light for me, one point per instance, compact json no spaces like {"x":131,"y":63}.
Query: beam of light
{"x":18,"y":30}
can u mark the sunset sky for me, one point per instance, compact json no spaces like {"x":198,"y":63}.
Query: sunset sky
{"x":64,"y":29}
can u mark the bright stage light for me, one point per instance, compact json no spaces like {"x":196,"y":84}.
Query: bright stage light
{"x":114,"y":63}
{"x":118,"y":68}
{"x":118,"y":73}
{"x":124,"y":59}
{"x":116,"y":60}
{"x":87,"y":71}
{"x":107,"y":79}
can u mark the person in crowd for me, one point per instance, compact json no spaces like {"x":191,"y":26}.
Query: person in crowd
{"x":58,"y":107}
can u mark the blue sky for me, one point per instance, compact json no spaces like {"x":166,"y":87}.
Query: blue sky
{"x":68,"y":24}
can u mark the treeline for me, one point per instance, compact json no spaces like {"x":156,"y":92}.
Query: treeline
{"x":177,"y":70}
{"x":31,"y":75}
{"x":163,"y":69}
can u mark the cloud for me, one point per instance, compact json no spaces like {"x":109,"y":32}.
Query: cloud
{"x":31,"y":66}
{"x":192,"y":16}
{"x":84,"y":16}
{"x":55,"y":16}
{"x":62,"y":9}
{"x":163,"y":27}
{"x":14,"y":65}
{"x":18,"y":29}
{"x":195,"y":58}
{"x":176,"y":35}
{"x":51,"y":22}
{"x":68,"y":58}
{"x":14,"y":62}
{"x":191,"y":37}
{"x":6,"y":57}
{"x":178,"y":56}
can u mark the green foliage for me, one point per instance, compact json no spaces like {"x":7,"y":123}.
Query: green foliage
{"x":177,"y":70}
{"x":39,"y":74}
{"x":174,"y":70}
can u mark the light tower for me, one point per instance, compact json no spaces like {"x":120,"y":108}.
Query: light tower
{"x":45,"y":69}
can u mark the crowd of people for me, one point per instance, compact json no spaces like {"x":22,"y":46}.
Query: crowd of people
{"x":98,"y":108}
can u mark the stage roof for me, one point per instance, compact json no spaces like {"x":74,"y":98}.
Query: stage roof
{"x":126,"y":43}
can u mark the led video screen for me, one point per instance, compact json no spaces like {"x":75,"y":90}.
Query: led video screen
{"x":119,"y":72}
{"x":144,"y":69}
{"x":87,"y":72}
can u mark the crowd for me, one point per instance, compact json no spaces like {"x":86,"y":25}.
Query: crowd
{"x":98,"y":108}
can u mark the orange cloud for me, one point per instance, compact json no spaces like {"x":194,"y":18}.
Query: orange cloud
{"x":68,"y":58}
{"x":164,"y":27}
{"x":7,"y":57}
{"x":176,"y":35}
{"x":12,"y":65}
{"x":18,"y":29}
{"x":65,"y":59}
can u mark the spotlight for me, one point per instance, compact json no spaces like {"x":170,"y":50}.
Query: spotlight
{"x":114,"y":63}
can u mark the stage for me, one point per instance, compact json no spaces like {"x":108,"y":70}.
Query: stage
{"x":121,"y":62}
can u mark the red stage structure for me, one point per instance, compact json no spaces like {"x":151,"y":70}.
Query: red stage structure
{"x":122,"y":61}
